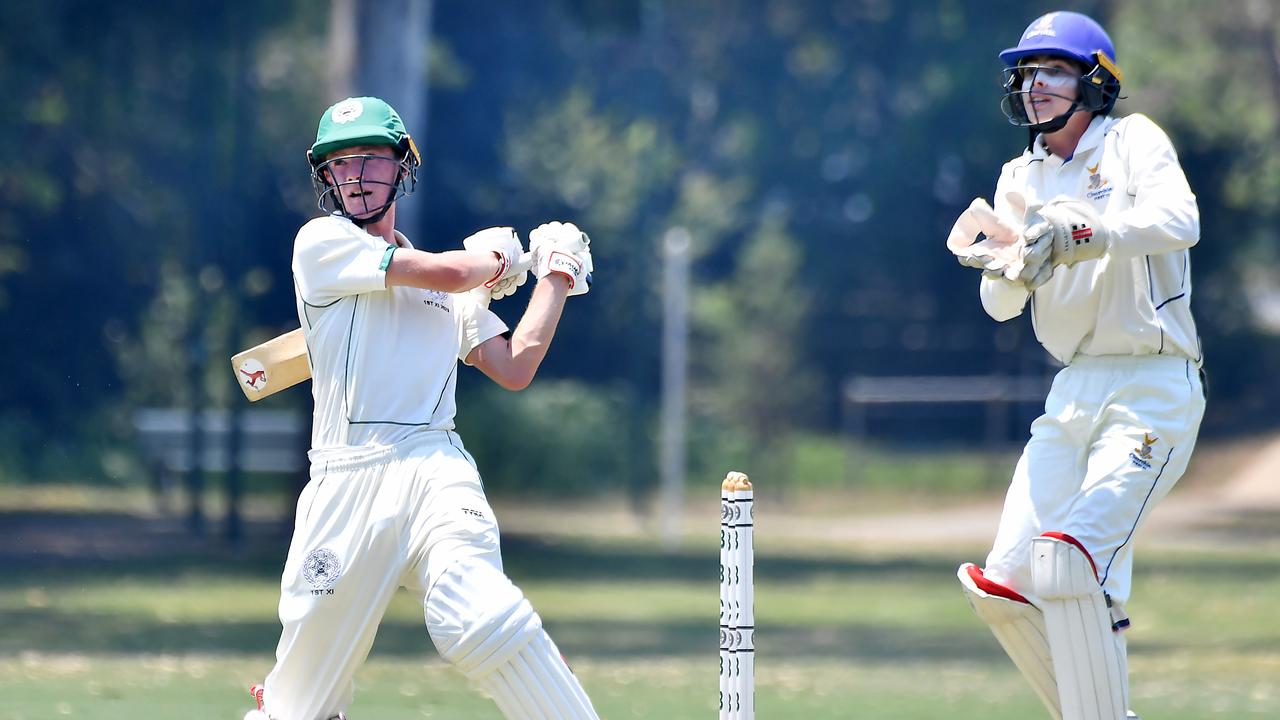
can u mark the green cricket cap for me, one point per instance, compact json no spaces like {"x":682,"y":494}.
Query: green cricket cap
{"x":358,"y":121}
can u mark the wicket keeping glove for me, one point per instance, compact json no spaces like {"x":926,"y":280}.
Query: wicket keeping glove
{"x":981,"y":239}
{"x":564,"y":249}
{"x":505,"y":243}
{"x":1062,"y":232}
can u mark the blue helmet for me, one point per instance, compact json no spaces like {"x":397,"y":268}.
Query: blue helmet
{"x":1075,"y":37}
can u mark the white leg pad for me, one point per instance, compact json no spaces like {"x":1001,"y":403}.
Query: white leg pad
{"x":482,"y":623}
{"x":538,"y":685}
{"x":1087,"y":661}
{"x":1019,"y":628}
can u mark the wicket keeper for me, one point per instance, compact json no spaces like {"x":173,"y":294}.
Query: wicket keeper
{"x":1091,"y":229}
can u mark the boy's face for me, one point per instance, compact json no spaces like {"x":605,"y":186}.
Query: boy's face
{"x":1051,"y":85}
{"x":365,"y":177}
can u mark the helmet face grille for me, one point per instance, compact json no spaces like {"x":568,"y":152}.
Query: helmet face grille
{"x":352,"y":198}
{"x":1096,"y":92}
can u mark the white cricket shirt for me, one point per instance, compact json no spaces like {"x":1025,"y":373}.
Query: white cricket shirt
{"x":383,"y":360}
{"x":1136,"y":299}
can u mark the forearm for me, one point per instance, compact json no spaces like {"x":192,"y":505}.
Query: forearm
{"x":537,"y":327}
{"x":452,"y":271}
{"x":514,"y":363}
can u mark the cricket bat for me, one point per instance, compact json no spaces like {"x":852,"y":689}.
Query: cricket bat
{"x":276,"y":364}
{"x":281,"y":362}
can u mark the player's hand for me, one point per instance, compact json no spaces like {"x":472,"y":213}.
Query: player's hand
{"x":508,"y":285}
{"x":516,"y":276}
{"x":563,"y":249}
{"x":505,"y":243}
{"x":982,"y":239}
{"x":1062,"y":232}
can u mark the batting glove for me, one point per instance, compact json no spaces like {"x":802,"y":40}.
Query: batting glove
{"x":505,"y":243}
{"x":564,"y":249}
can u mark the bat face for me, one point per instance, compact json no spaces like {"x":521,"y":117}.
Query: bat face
{"x":272,"y":366}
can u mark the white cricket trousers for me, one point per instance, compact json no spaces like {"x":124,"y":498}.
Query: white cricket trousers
{"x":1116,"y":434}
{"x":369,"y":521}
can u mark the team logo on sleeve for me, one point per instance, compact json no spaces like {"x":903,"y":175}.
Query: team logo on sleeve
{"x":1141,"y":456}
{"x":321,"y":570}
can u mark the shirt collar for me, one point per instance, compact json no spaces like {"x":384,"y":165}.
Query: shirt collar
{"x":1091,"y":138}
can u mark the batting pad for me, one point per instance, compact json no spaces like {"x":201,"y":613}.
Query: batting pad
{"x":1088,"y":663}
{"x":482,"y":624}
{"x":537,"y":684}
{"x":1019,"y":627}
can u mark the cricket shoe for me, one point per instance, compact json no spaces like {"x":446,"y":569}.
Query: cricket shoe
{"x":256,"y":691}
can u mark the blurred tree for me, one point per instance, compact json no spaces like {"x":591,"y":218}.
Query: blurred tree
{"x":750,"y":377}
{"x":1210,"y":74}
{"x":129,"y":169}
{"x":148,"y":152}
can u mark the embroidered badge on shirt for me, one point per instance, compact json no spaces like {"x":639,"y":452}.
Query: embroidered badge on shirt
{"x":436,"y":299}
{"x":1099,"y":187}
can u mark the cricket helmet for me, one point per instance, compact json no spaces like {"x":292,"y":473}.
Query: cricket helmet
{"x":1071,"y":36}
{"x":354,"y":122}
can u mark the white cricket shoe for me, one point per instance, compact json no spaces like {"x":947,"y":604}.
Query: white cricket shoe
{"x":256,"y":691}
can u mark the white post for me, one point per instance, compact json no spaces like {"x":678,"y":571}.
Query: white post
{"x":675,"y":341}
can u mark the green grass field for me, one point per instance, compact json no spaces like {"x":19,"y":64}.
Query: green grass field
{"x":844,"y":632}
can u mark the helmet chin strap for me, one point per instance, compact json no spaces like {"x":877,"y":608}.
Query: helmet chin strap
{"x":1051,"y":126}
{"x":1059,"y":122}
{"x":362,"y":222}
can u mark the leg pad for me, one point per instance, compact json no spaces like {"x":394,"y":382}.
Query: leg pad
{"x":482,"y":623}
{"x":1019,"y":628}
{"x":1089,"y":666}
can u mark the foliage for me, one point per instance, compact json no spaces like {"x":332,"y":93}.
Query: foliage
{"x":156,"y":151}
{"x":1210,"y":74}
{"x":750,"y":372}
{"x":555,"y":438}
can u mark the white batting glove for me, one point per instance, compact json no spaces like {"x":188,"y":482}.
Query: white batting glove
{"x":564,"y":249}
{"x":516,"y":276}
{"x":1063,"y":232}
{"x":505,"y":243}
{"x":982,"y":239}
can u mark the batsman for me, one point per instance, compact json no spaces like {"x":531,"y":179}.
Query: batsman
{"x":394,"y":499}
{"x":1090,"y":228}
